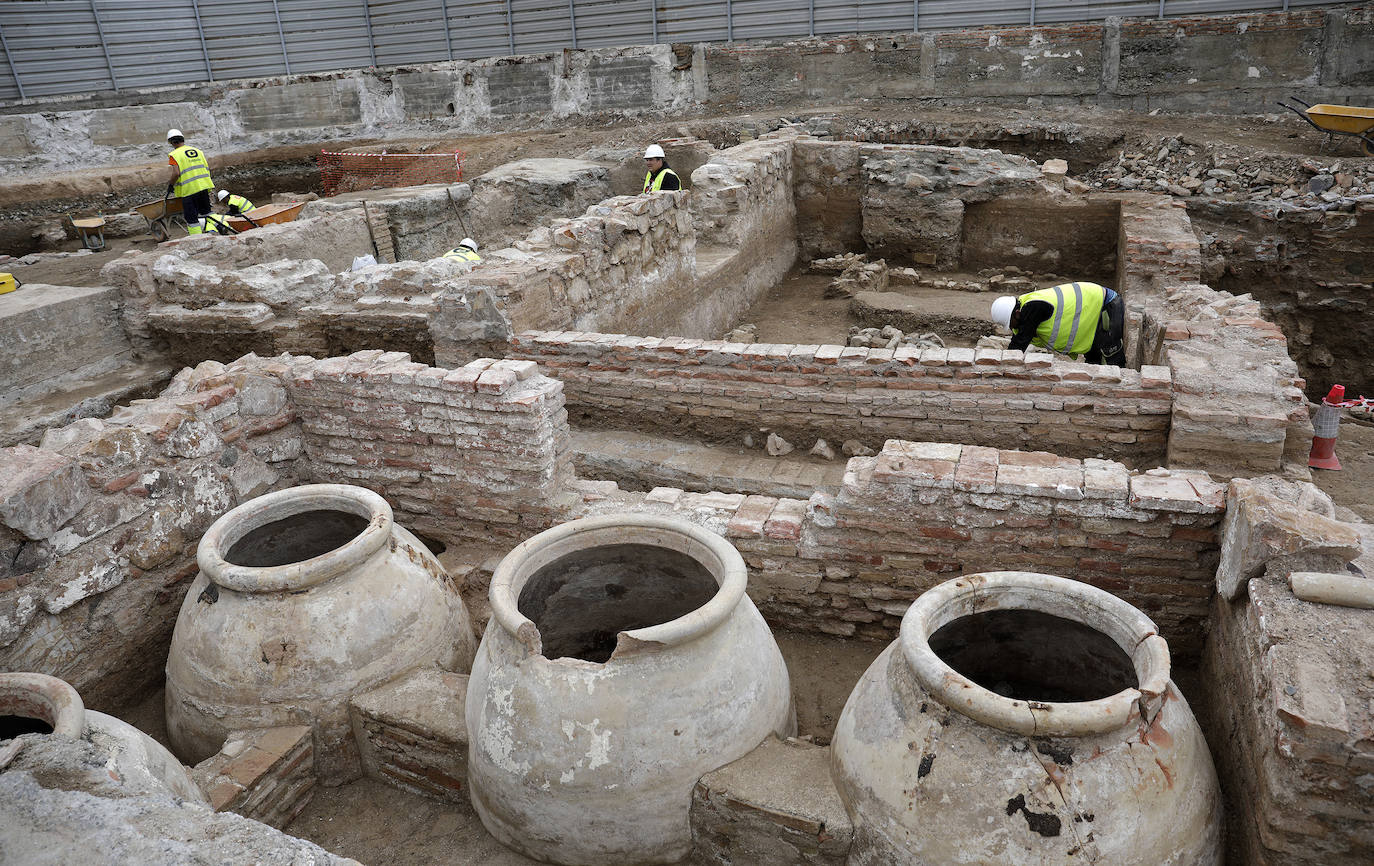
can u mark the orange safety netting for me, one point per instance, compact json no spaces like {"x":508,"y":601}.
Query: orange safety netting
{"x":351,"y":172}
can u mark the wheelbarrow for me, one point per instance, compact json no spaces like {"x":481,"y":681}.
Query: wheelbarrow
{"x":91,"y":231}
{"x":1337,"y":120}
{"x":162,"y":216}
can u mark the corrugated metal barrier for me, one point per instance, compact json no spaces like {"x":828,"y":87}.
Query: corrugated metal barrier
{"x":57,"y":47}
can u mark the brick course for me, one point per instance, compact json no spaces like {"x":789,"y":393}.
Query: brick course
{"x":988,"y":397}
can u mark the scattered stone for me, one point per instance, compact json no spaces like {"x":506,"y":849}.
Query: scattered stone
{"x":822,"y":449}
{"x":743,"y":334}
{"x":777,"y":446}
{"x":855,"y":448}
{"x":39,"y":491}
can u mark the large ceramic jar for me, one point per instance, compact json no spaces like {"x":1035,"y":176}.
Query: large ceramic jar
{"x":118,"y":753}
{"x":1025,"y":719}
{"x":622,"y":661}
{"x":305,"y":597}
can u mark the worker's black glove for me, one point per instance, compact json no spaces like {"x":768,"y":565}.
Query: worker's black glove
{"x":170,"y":187}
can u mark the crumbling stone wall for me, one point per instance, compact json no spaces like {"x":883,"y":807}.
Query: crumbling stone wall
{"x":251,"y":273}
{"x":1239,"y":407}
{"x":987,"y":397}
{"x":630,"y":261}
{"x":99,"y":526}
{"x":920,"y":513}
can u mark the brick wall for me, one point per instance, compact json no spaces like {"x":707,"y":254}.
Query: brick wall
{"x":267,"y":774}
{"x":920,"y":513}
{"x":983,"y":397}
{"x":479,"y":452}
{"x":411,"y":733}
{"x":1239,"y":407}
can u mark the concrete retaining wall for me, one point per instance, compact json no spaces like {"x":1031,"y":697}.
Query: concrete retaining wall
{"x":1235,"y":64}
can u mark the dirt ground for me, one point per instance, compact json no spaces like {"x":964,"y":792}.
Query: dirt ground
{"x":1353,"y":485}
{"x":797,"y":311}
{"x":78,"y":270}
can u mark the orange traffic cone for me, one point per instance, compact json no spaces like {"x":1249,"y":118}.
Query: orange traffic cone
{"x":1326,"y":425}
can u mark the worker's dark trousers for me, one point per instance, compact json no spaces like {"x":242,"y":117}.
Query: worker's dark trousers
{"x":195,"y":206}
{"x":1109,"y":346}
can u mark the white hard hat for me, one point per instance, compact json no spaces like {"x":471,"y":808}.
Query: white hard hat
{"x":174,"y":133}
{"x":653,"y":151}
{"x":469,"y":243}
{"x":1001,"y":310}
{"x":223,"y":194}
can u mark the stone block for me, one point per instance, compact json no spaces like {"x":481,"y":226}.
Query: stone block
{"x":776,"y":806}
{"x":1270,"y":519}
{"x":143,"y":126}
{"x":39,"y":490}
{"x":520,"y":88}
{"x":620,"y":82}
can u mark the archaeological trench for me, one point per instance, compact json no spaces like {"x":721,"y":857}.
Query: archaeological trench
{"x":714,"y":526}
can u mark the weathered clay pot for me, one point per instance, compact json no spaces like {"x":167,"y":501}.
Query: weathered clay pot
{"x":305,"y":597}
{"x":622,"y":661}
{"x":1085,"y":753}
{"x":37,"y":704}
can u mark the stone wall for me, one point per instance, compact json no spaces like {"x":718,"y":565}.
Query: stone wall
{"x":921,"y":513}
{"x":746,"y":233}
{"x":1292,"y":724}
{"x":985,"y":397}
{"x":1136,"y":63}
{"x":629,"y":262}
{"x":99,"y":526}
{"x":125,"y":128}
{"x":57,"y":335}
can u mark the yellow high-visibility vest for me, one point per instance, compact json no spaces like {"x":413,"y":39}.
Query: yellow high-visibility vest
{"x":238,"y":204}
{"x":1073,"y":327}
{"x":654,"y":184}
{"x":464,"y":254}
{"x":193,"y":172}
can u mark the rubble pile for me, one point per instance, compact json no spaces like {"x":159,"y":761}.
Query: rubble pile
{"x":855,"y":274}
{"x":889,"y":337}
{"x":1182,"y":168}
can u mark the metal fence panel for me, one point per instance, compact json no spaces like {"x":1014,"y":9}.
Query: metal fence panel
{"x":325,"y":36}
{"x":478,"y":28}
{"x":152,"y":42}
{"x":242,"y":39}
{"x":408,"y":31}
{"x":77,"y":46}
{"x":55,"y":47}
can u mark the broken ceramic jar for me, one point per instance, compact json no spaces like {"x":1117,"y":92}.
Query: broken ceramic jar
{"x":305,"y":597}
{"x":46,"y":730}
{"x":623,"y":661}
{"x":1025,"y":719}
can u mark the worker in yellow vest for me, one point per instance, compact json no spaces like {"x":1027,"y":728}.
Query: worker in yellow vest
{"x":190,"y":180}
{"x":659,"y":176}
{"x":466,"y":251}
{"x":1072,"y":319}
{"x":234,"y":204}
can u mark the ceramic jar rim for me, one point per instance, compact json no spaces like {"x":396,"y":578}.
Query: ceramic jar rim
{"x":714,"y":553}
{"x":271,"y":507}
{"x":1130,"y":629}
{"x":43,"y":697}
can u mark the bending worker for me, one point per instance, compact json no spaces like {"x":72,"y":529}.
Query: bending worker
{"x":234,"y":205}
{"x":190,"y":181}
{"x":1073,"y":319}
{"x":466,"y":251}
{"x":659,"y":176}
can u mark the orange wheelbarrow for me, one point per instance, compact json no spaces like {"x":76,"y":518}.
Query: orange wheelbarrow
{"x":1337,"y":120}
